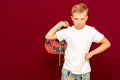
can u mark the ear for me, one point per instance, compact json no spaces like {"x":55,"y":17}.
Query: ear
{"x":72,"y":18}
{"x":86,"y":18}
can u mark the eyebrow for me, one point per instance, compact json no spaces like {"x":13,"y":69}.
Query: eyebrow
{"x":79,"y":18}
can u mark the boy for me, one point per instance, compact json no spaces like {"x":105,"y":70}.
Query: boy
{"x":79,"y":38}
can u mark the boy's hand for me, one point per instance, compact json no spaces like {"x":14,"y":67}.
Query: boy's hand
{"x":63,"y":24}
{"x":66,"y":22}
{"x":88,"y":56}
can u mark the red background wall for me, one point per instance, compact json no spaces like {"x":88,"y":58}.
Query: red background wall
{"x":24,"y":23}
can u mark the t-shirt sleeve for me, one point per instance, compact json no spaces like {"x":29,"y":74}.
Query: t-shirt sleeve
{"x":61,"y":34}
{"x":97,"y":36}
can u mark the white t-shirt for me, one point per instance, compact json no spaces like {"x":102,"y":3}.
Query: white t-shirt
{"x":78,"y":44}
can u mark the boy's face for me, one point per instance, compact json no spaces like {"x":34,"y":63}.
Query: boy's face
{"x":79,"y":19}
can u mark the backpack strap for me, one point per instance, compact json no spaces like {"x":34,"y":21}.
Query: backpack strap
{"x":60,"y":54}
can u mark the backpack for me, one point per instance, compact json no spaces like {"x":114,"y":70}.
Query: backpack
{"x":55,"y":47}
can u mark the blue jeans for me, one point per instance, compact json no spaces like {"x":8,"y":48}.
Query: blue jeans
{"x":67,"y":75}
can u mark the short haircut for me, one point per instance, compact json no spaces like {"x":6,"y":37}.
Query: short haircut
{"x":79,"y":8}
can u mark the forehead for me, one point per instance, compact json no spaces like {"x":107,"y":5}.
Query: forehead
{"x":79,"y":15}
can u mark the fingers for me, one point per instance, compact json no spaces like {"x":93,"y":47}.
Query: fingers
{"x":66,"y":22}
{"x":88,"y":56}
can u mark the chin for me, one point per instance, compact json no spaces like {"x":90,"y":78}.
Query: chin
{"x":79,"y":26}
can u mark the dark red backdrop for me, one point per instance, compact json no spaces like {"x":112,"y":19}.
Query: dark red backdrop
{"x":24,"y":23}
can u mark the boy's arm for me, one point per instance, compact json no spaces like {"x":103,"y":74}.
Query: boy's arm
{"x":52,"y":32}
{"x":105,"y":44}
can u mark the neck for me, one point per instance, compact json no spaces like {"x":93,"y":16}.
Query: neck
{"x":79,"y":28}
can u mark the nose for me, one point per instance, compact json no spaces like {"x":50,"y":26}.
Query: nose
{"x":79,"y":21}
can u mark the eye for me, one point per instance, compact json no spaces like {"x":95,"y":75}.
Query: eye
{"x":76,"y":19}
{"x":82,"y":18}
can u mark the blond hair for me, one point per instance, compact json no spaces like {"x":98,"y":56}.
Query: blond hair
{"x":80,"y":8}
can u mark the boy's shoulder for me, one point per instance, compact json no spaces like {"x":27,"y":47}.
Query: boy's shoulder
{"x":89,"y":26}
